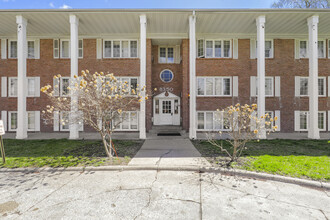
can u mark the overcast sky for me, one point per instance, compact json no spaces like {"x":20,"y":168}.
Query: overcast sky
{"x":45,"y":4}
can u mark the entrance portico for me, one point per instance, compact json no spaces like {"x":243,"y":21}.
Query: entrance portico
{"x":166,"y":109}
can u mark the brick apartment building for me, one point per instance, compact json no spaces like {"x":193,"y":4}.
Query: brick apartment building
{"x":199,"y":61}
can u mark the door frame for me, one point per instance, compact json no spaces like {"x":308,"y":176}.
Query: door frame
{"x":176,"y":117}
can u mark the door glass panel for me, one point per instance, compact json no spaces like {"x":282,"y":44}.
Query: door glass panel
{"x":176,"y":106}
{"x":167,"y":107}
{"x":157,"y":107}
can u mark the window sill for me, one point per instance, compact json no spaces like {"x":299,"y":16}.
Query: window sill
{"x":214,"y":58}
{"x":215,"y":96}
{"x":120,"y":58}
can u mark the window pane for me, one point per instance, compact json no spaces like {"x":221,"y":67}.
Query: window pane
{"x":200,"y":120}
{"x":116,"y":49}
{"x":13,"y":49}
{"x":218,"y":86}
{"x":80,"y":51}
{"x":30,"y":49}
{"x":176,"y":106}
{"x":303,"y":120}
{"x":303,"y":49}
{"x":107,"y":48}
{"x":226,"y":86}
{"x":125,"y":120}
{"x":13,"y":123}
{"x":209,"y":86}
{"x":65,"y":120}
{"x":124,"y":50}
{"x":321,"y":120}
{"x":134,"y":120}
{"x":170,"y":55}
{"x":321,"y":86}
{"x":267,"y":119}
{"x":217,"y":50}
{"x":320,"y":49}
{"x":226,"y":48}
{"x":134,"y":48}
{"x":13,"y":87}
{"x":31,"y":87}
{"x":217,"y":120}
{"x":200,"y":86}
{"x":166,"y":76}
{"x":31,"y":120}
{"x":157,"y":107}
{"x":162,"y":55}
{"x":65,"y":49}
{"x":200,"y":48}
{"x":65,"y":85}
{"x":268,"y":48}
{"x":209,"y":120}
{"x":133,"y":84}
{"x":303,"y":86}
{"x":268,"y":86}
{"x":209,"y":48}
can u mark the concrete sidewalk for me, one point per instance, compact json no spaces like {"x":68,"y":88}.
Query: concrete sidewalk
{"x":168,"y":152}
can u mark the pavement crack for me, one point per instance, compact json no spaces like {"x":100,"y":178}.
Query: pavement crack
{"x":184,"y":200}
{"x":161,"y":156}
{"x":200,"y":197}
{"x":324,"y":214}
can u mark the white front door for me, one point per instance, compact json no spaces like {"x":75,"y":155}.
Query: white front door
{"x":167,"y":111}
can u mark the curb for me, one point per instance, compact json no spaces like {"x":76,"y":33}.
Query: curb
{"x":223,"y":171}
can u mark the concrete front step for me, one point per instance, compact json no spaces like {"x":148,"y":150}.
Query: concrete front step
{"x":165,"y":129}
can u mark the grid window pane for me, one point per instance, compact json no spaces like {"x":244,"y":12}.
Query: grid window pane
{"x":31,"y":120}
{"x":157,"y":107}
{"x":30,"y":49}
{"x":134,"y":120}
{"x":13,"y":87}
{"x":125,"y":120}
{"x":268,"y":48}
{"x":200,"y":120}
{"x":303,"y":86}
{"x":209,"y":48}
{"x":320,"y":49}
{"x":65,"y":121}
{"x":13,"y":120}
{"x":107,"y":48}
{"x":303,"y":49}
{"x":124,"y":50}
{"x":13,"y":49}
{"x":65,"y":85}
{"x":162,"y":55}
{"x":166,"y":76}
{"x":217,"y":50}
{"x":116,"y":49}
{"x":217,"y":118}
{"x":170,"y":55}
{"x":303,"y":120}
{"x":218,"y":86}
{"x":321,"y":119}
{"x":209,"y":120}
{"x":268,"y":86}
{"x":167,"y":107}
{"x":31,"y":86}
{"x":80,"y":50}
{"x":200,"y":86}
{"x":200,"y":48}
{"x":209,"y":86}
{"x":133,"y":84}
{"x":226,"y":86}
{"x":65,"y":49}
{"x":134,"y":48}
{"x":226,"y":48}
{"x":321,"y":86}
{"x":267,"y":119}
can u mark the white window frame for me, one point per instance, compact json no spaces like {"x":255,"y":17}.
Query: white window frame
{"x":213,"y":89}
{"x":129,"y":78}
{"x":129,"y":122}
{"x":272,"y":49}
{"x":27,"y":120}
{"x":56,"y":48}
{"x":273,"y":86}
{"x":307,"y":48}
{"x":306,"y":77}
{"x":120,"y":49}
{"x":60,"y":122}
{"x":9,"y":87}
{"x":222,"y":48}
{"x":324,"y":121}
{"x":324,"y":48}
{"x":166,"y":53}
{"x":307,"y":126}
{"x":324,"y":86}
{"x":9,"y":49}
{"x":34,"y":48}
{"x":81,"y":48}
{"x":213,"y":121}
{"x":27,"y":93}
{"x":61,"y":86}
{"x":61,"y":51}
{"x":9,"y":121}
{"x":271,"y":116}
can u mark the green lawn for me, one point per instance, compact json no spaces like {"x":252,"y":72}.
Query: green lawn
{"x":297,"y":158}
{"x":65,"y":153}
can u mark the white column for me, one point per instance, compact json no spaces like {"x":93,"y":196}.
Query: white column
{"x":74,"y":23}
{"x":192,"y":76}
{"x":260,"y":21}
{"x":313,"y":130}
{"x":143,"y":73}
{"x":21,"y":132}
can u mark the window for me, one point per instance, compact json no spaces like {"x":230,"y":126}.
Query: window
{"x":120,"y":48}
{"x":303,"y":49}
{"x":12,"y":49}
{"x":132,"y":83}
{"x":80,"y":49}
{"x":30,"y":49}
{"x":268,"y":49}
{"x":65,"y":49}
{"x":31,"y":86}
{"x":64,"y":121}
{"x":12,"y":86}
{"x":200,"y":48}
{"x":31,"y":121}
{"x":215,"y":121}
{"x":269,"y":86}
{"x":166,"y":55}
{"x":216,"y":48}
{"x":126,"y":120}
{"x":270,"y":116}
{"x":65,"y":83}
{"x":303,"y":121}
{"x":166,"y":76}
{"x":12,"y":121}
{"x":56,"y":47}
{"x":303,"y":86}
{"x":214,"y":86}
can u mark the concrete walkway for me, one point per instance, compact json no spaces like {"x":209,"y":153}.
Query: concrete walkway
{"x":168,"y":151}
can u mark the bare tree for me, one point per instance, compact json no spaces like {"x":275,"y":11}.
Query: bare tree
{"x":301,"y":4}
{"x":240,"y":125}
{"x":102,"y":103}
